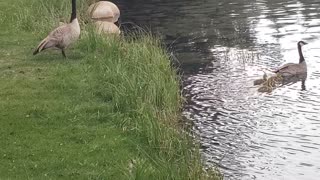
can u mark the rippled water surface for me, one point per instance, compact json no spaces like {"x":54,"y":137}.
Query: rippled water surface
{"x":222,"y":46}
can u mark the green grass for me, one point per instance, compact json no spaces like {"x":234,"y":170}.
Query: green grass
{"x":109,"y":111}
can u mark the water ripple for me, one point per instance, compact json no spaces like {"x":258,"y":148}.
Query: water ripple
{"x":222,"y":46}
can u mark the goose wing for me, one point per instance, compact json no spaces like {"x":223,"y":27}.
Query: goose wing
{"x":284,"y":67}
{"x":54,"y":39}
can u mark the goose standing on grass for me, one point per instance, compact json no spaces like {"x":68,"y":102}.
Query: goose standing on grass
{"x":62,"y":36}
{"x":290,"y":69}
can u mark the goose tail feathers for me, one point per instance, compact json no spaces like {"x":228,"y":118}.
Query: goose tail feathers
{"x":44,"y":44}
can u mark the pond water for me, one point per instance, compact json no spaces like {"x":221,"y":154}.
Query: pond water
{"x":222,"y":47}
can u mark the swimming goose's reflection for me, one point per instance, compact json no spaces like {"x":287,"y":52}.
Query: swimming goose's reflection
{"x":289,"y":80}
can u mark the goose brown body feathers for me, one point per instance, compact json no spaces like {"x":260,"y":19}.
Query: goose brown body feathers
{"x":293,"y":68}
{"x":62,"y":36}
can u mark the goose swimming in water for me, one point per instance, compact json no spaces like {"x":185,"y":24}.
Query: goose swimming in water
{"x":62,"y":36}
{"x":290,"y":69}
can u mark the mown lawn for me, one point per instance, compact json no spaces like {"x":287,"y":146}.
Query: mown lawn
{"x":108,"y":111}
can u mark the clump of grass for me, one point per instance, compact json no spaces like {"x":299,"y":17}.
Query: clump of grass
{"x":134,"y":75}
{"x":43,"y":16}
{"x":110,"y":111}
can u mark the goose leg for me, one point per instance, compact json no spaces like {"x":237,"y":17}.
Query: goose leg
{"x":63,"y":53}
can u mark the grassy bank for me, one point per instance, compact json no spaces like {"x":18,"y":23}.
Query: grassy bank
{"x":109,"y":111}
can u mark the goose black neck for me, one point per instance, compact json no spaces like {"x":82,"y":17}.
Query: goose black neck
{"x":74,"y":11}
{"x":301,"y":59}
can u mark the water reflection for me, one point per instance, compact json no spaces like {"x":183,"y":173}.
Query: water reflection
{"x":290,"y":80}
{"x":222,"y":47}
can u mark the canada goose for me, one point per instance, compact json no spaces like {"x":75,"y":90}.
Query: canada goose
{"x":104,"y":11}
{"x":293,"y":68}
{"x":62,"y":36}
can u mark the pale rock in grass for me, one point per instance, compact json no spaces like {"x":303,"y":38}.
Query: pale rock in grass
{"x":107,"y":27}
{"x":104,"y":11}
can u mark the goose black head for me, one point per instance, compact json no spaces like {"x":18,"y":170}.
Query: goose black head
{"x":302,"y":43}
